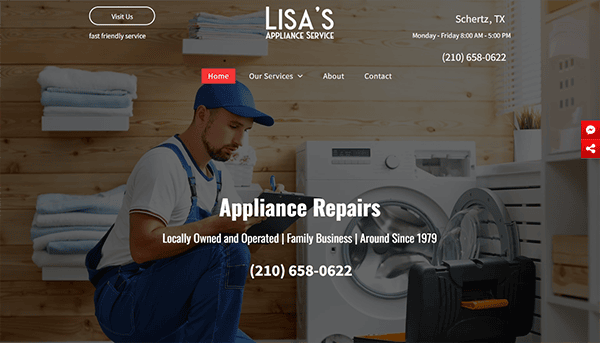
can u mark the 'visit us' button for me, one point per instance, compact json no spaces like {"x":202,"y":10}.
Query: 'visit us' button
{"x":122,"y":15}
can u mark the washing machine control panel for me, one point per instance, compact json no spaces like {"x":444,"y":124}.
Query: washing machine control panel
{"x":351,"y":156}
{"x":384,"y":160}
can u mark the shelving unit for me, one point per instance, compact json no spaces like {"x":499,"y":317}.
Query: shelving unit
{"x":518,"y":185}
{"x":570,"y":8}
{"x":571,"y":185}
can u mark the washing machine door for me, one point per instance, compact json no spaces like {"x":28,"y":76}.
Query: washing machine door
{"x":384,"y":251}
{"x":479,"y":224}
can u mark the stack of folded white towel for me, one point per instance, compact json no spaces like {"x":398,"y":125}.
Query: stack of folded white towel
{"x":65,"y":227}
{"x":72,"y":92}
{"x":212,"y":26}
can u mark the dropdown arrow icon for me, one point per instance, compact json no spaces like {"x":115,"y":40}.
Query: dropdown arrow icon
{"x":300,"y":75}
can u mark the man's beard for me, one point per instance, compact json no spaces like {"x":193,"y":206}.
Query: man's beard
{"x":214,"y":153}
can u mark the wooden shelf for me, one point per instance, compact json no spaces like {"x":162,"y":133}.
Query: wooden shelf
{"x":75,"y":123}
{"x":569,"y":9}
{"x":230,"y":47}
{"x":65,"y":274}
{"x":571,"y":302}
{"x":510,"y":168}
{"x":563,"y":156}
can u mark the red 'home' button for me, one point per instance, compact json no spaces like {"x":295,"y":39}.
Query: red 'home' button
{"x":218,"y":75}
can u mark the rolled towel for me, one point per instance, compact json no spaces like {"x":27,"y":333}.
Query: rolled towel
{"x":42,"y":242}
{"x":68,"y":111}
{"x":74,"y":78}
{"x":85,"y":100}
{"x":70,"y":247}
{"x":42,"y":231}
{"x":42,"y":259}
{"x":73,"y":219}
{"x":108,"y":202}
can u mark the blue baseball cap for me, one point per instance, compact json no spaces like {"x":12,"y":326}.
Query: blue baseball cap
{"x":235,"y":98}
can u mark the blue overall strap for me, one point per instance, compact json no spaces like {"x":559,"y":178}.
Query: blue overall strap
{"x":92,"y":259}
{"x":188,"y":170}
{"x":217,"y":175}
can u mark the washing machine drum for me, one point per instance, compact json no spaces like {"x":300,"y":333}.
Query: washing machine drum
{"x":479,"y":223}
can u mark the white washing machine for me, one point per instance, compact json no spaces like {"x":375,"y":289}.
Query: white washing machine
{"x":417,"y":185}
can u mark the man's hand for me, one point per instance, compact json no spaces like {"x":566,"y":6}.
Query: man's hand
{"x":279,"y":189}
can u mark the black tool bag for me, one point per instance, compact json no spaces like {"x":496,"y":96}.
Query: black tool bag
{"x":480,"y":300}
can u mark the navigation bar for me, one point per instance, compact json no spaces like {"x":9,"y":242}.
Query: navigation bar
{"x":325,"y":76}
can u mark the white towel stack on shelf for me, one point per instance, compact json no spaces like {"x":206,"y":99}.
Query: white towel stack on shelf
{"x":70,"y":94}
{"x":218,"y":27}
{"x":65,"y":227}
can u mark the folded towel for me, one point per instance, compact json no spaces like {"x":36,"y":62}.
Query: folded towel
{"x":43,"y":259}
{"x":42,"y":231}
{"x":108,"y":202}
{"x":41,"y":243}
{"x":87,"y":91}
{"x":211,"y":26}
{"x":68,"y":111}
{"x":44,"y":221}
{"x":70,"y":247}
{"x":73,"y":78}
{"x":257,"y":18}
{"x":85,"y":100}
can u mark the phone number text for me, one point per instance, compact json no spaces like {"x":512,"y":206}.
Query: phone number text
{"x":461,"y":57}
{"x":280,"y":271}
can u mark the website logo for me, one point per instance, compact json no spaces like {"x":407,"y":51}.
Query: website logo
{"x":289,"y":24}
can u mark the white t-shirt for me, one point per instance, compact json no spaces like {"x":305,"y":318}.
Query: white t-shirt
{"x":159,"y":184}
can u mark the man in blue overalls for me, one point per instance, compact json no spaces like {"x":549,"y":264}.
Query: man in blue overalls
{"x":149,"y":290}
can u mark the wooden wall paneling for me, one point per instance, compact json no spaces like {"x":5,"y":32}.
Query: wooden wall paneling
{"x":76,"y":298}
{"x":119,"y":155}
{"x":163,"y":47}
{"x":47,"y":298}
{"x":20,"y":191}
{"x":16,"y":265}
{"x":15,"y":227}
{"x":150,"y":119}
{"x":180,"y":83}
{"x":315,"y":118}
